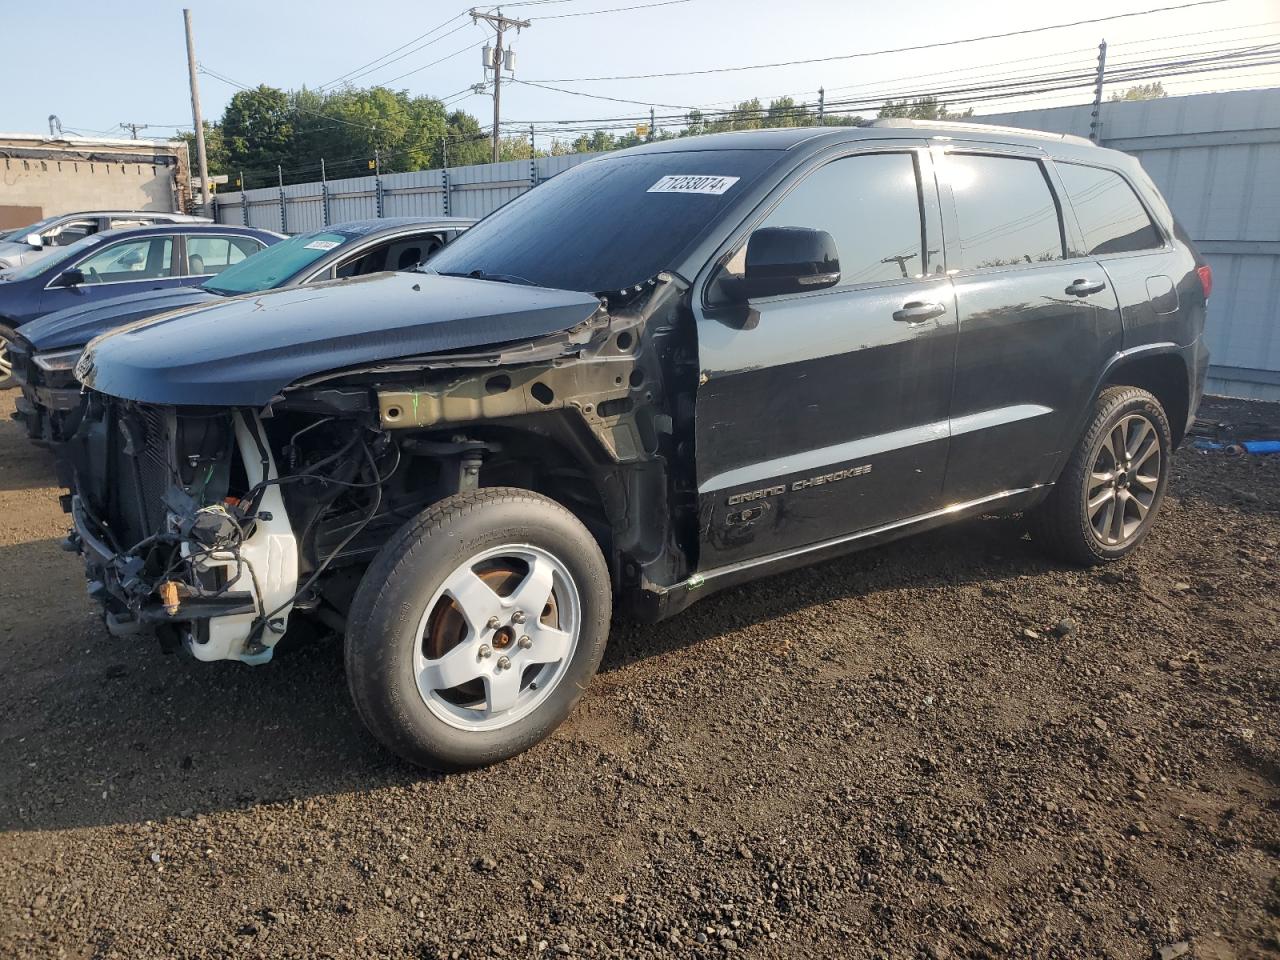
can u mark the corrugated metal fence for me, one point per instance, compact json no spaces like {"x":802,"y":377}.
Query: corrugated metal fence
{"x":1216,"y":158}
{"x":456,"y":192}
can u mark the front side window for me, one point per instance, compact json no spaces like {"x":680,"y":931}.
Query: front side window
{"x":211,"y":255}
{"x":1005,"y":212}
{"x":1111,"y":217}
{"x":69,"y":233}
{"x":146,"y":259}
{"x":870,"y":205}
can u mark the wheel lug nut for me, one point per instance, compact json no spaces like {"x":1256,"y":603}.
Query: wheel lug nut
{"x":518,"y":617}
{"x":504,"y":663}
{"x":525,"y":643}
{"x":485,"y":651}
{"x":493,"y":623}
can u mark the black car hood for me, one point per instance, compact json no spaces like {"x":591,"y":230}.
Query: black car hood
{"x":76,"y":326}
{"x":245,"y":350}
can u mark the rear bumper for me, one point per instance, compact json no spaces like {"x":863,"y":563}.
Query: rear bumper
{"x":1197,"y":357}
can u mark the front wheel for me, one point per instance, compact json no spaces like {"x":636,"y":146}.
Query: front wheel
{"x":6,"y":359}
{"x":1111,"y":489}
{"x":477,"y":628}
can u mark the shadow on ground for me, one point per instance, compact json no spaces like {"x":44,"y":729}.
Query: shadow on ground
{"x":150,"y":736}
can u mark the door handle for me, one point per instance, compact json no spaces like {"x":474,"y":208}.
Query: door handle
{"x":918,"y":311}
{"x":1082,"y":288}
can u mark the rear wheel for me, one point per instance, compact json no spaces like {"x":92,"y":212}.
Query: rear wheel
{"x":477,"y":628}
{"x":1111,"y":489}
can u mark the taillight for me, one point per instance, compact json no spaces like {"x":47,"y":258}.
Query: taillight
{"x":1206,"y":279}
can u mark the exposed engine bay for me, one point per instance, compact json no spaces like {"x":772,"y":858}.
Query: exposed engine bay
{"x":215,"y":527}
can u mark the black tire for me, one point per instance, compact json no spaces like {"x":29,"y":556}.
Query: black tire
{"x":6,"y":374}
{"x":391,"y":603}
{"x":1063,"y":526}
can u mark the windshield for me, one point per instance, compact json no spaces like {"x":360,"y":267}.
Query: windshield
{"x":36,"y":227}
{"x":607,"y":224}
{"x":60,"y":255}
{"x":276,"y":264}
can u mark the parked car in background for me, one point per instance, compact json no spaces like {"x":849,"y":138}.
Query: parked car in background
{"x":665,"y":371}
{"x":44,"y":354}
{"x":21,"y":246}
{"x":111,"y":263}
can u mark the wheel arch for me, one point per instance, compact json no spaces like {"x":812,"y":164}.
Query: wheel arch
{"x":1161,"y":372}
{"x":624,"y":505}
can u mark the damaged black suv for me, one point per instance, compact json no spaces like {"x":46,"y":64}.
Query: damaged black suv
{"x":666,"y":371}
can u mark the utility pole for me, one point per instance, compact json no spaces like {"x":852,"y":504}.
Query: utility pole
{"x":822,"y":106}
{"x":134,"y":128}
{"x":652,"y":126}
{"x":533,"y":144}
{"x":497,"y":58}
{"x":1095,"y":123}
{"x":197,"y":118}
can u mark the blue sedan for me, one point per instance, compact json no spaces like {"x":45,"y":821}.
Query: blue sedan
{"x":113,"y":263}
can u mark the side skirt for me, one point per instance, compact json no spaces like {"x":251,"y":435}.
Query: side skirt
{"x":655,"y":602}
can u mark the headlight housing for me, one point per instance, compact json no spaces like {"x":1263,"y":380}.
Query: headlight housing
{"x":58,"y":361}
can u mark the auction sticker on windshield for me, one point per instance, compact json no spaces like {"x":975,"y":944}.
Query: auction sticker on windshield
{"x":322,"y":245}
{"x":693,"y":183}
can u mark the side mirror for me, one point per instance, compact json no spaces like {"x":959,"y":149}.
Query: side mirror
{"x":71,"y":278}
{"x":33,"y":240}
{"x":788,"y":260}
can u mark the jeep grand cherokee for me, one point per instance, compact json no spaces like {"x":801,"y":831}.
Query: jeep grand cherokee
{"x":668,"y":370}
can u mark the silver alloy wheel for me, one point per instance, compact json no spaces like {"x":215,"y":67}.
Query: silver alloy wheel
{"x":497,"y":637}
{"x":1121,"y":487}
{"x":6,"y":363}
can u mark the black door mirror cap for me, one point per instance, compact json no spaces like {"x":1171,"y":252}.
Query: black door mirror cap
{"x":71,"y":278}
{"x":781,"y":260}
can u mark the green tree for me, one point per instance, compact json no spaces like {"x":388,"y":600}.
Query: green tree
{"x":921,"y":108}
{"x":215,"y":149}
{"x":258,"y":130}
{"x":1142,"y":91}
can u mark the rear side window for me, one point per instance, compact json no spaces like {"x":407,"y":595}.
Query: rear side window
{"x":1005,"y":212}
{"x":1111,"y":217}
{"x":211,"y":255}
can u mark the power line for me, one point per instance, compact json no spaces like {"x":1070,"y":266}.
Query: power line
{"x":592,"y":13}
{"x":356,"y":75}
{"x":876,"y":53}
{"x":323,"y":116}
{"x":599,"y":96}
{"x":433,"y":63}
{"x":1126,"y":71}
{"x":422,"y":36}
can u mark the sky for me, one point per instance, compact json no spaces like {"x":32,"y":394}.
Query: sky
{"x":97,"y":66}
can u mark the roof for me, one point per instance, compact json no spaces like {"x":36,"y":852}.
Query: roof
{"x":386,"y":224}
{"x":788,"y":138}
{"x":162,"y":229}
{"x":170,"y":215}
{"x":44,"y":140}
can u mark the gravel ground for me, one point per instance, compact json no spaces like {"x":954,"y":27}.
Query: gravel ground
{"x":942,"y":748}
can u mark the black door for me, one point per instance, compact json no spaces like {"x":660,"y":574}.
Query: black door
{"x":825,"y":413}
{"x":1036,"y":324}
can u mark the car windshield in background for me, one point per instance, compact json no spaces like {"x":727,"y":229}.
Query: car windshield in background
{"x":62,"y":254}
{"x":276,"y":264}
{"x":21,"y":232}
{"x":607,"y":224}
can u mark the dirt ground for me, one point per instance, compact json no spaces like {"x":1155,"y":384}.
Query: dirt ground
{"x":946,"y":747}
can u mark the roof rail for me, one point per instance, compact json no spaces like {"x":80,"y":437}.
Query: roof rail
{"x":978,"y":128}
